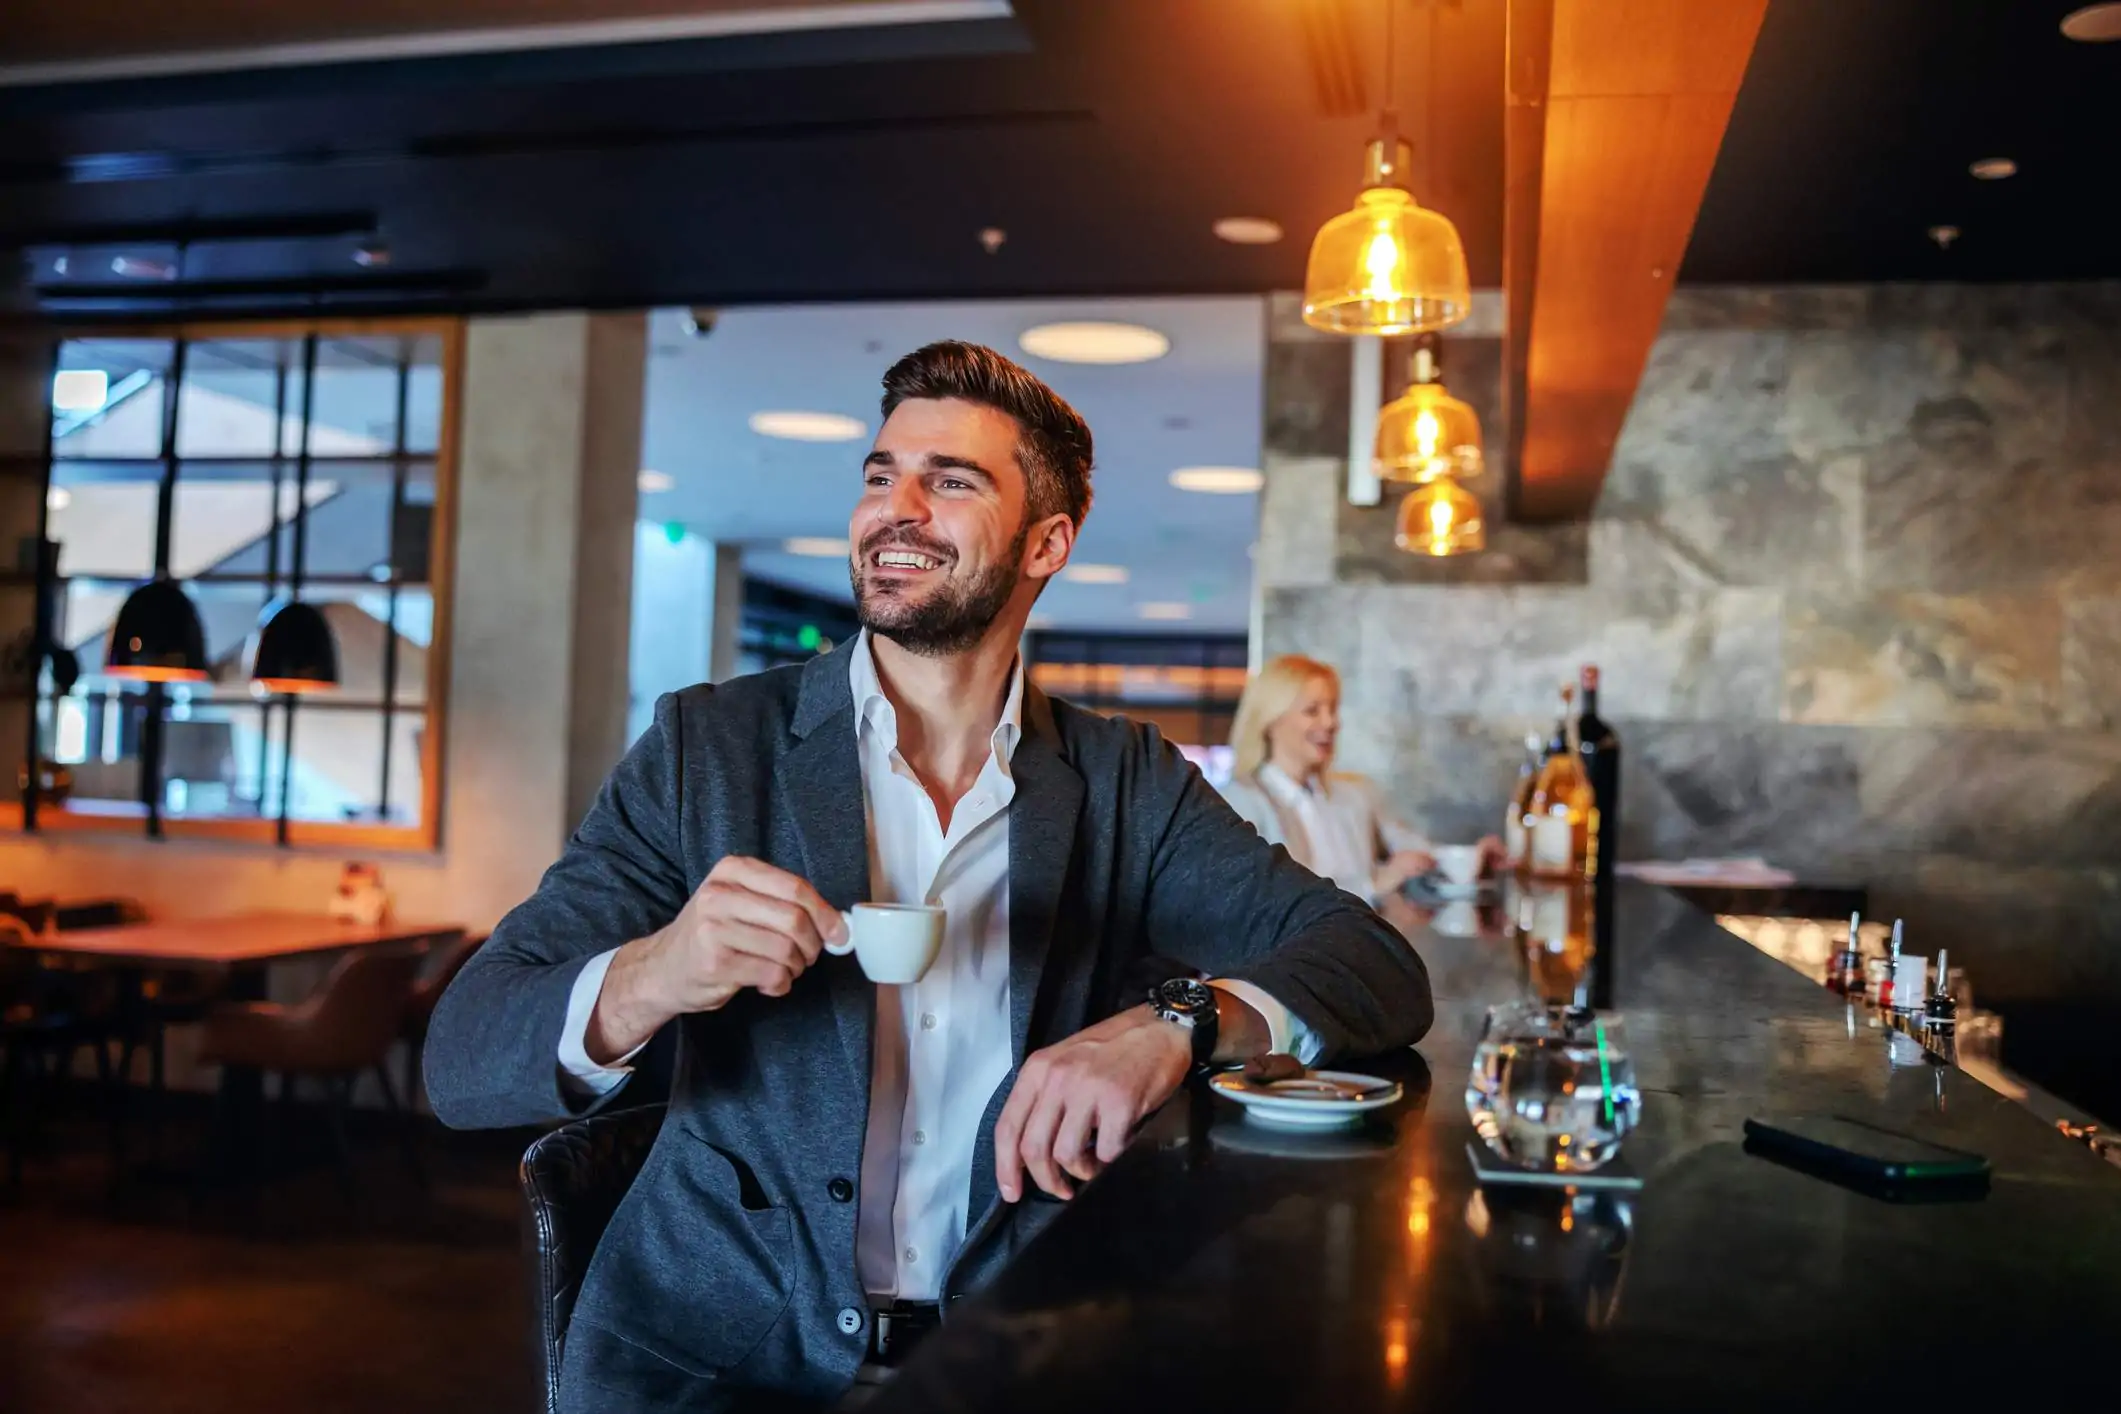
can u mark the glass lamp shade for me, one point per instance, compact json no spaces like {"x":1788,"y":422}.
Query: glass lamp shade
{"x":157,"y":637}
{"x":294,"y":650}
{"x":1441,"y":518}
{"x":1387,"y":267}
{"x":1425,"y":433}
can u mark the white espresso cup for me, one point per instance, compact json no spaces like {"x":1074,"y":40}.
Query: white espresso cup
{"x":894,"y":942}
{"x":1458,"y":863}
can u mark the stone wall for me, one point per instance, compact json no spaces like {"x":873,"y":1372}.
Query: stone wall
{"x":1855,"y":583}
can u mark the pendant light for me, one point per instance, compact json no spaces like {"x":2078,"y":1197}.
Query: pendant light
{"x":1425,"y":433}
{"x":1389,"y":266}
{"x":294,"y":649}
{"x":157,"y":637}
{"x":1441,"y":518}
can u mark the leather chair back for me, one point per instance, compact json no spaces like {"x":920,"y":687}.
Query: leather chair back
{"x":441,"y":971}
{"x":572,"y":1181}
{"x":352,"y":1020}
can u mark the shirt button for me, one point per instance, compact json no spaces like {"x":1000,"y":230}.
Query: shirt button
{"x":850,"y":1321}
{"x":841,"y":1190}
{"x":912,"y":1255}
{"x":927,"y":1021}
{"x":920,"y":1136}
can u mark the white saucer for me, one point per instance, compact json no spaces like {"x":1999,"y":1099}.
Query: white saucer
{"x":1321,"y":1100}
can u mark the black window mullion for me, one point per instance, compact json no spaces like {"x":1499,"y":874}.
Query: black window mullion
{"x":390,"y":618}
{"x":151,"y":727}
{"x":294,"y":577}
{"x":272,"y":555}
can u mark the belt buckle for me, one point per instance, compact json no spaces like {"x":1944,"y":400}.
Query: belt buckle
{"x":898,"y":1327}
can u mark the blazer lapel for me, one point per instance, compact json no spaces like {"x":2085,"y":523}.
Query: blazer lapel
{"x":1042,"y":819}
{"x":821,"y":785}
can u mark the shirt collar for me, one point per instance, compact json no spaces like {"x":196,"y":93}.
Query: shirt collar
{"x":873,"y":710}
{"x":1284,"y":789}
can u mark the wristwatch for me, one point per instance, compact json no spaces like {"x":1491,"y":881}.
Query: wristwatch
{"x":1191,"y":1004}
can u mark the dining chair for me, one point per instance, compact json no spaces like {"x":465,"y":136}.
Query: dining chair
{"x":46,"y":1016}
{"x":343,"y":1030}
{"x":572,"y":1181}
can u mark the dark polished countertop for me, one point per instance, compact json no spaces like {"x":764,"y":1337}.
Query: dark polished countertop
{"x":1205,"y":1272}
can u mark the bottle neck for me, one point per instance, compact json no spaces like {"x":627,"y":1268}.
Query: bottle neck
{"x":1590,"y":702}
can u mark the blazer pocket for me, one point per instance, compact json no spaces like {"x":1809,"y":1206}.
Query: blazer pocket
{"x":693,"y":1276}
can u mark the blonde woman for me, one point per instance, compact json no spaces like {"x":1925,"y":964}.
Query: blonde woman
{"x":1333,"y":823}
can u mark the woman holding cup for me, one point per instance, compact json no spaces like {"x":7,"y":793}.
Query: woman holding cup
{"x":1334,"y":823}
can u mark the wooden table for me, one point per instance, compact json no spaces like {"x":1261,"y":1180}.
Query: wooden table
{"x":243,"y":945}
{"x":241,"y":942}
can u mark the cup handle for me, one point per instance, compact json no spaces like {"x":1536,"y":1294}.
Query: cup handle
{"x":842,"y":949}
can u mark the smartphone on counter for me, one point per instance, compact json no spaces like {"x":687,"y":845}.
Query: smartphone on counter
{"x":1836,"y":1146}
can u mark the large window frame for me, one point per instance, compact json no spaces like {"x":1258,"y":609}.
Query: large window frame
{"x":279,"y":827}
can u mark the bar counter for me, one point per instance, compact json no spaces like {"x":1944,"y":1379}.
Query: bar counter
{"x":1224,"y":1267}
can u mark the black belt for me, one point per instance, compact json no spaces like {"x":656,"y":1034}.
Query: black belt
{"x":896,"y":1329}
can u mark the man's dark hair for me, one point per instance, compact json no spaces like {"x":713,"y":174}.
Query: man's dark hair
{"x":1053,"y":447}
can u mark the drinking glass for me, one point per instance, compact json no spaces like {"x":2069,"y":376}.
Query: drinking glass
{"x":1553,"y":1087}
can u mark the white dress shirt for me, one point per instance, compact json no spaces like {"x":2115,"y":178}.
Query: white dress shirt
{"x":941,"y":1046}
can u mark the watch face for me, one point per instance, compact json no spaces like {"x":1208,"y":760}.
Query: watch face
{"x":1186,"y":995}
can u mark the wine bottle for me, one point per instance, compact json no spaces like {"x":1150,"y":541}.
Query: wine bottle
{"x":1514,"y":834}
{"x":1563,"y":820}
{"x":1599,"y":747}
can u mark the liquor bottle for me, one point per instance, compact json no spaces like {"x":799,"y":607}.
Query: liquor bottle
{"x":1599,"y":746}
{"x":1557,"y":943}
{"x":1563,"y":820}
{"x":1514,"y":835}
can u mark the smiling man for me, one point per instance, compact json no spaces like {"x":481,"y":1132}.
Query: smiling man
{"x":842,"y":1159}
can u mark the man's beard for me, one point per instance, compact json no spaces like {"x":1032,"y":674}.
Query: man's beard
{"x":953,"y":616}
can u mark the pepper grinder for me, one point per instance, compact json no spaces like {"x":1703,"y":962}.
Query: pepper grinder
{"x":1846,"y":974}
{"x":1892,"y":969}
{"x":1941,"y":1014}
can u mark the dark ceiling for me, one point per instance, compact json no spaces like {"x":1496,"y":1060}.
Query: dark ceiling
{"x":1104,"y":136}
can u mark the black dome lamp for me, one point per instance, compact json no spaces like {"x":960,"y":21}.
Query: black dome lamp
{"x":157,"y":637}
{"x":294,"y":650}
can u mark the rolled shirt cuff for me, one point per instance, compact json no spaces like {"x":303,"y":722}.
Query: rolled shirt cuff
{"x":1285,"y":1030}
{"x":577,"y":1071}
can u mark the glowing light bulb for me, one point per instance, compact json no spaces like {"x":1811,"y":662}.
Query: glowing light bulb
{"x":1440,"y":520}
{"x":1427,"y":433}
{"x":1381,"y":262}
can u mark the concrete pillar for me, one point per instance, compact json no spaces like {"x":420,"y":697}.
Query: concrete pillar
{"x":546,"y":500}
{"x":726,"y":601}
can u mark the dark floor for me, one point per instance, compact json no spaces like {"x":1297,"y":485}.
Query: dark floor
{"x":152,"y":1300}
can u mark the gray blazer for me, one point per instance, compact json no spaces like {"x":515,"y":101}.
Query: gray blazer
{"x":730,"y":1265}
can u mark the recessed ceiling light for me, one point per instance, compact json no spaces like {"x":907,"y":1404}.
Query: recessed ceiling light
{"x":1248,"y":230}
{"x":1218,"y":480}
{"x":1994,"y":169}
{"x":653,"y":482}
{"x":1094,"y":341}
{"x":58,"y":499}
{"x":808,"y":426}
{"x":139,"y":267}
{"x":80,"y":389}
{"x":2094,"y":24}
{"x":1944,"y":236}
{"x":822,"y":547}
{"x":1096,"y":574}
{"x":1169,"y":611}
